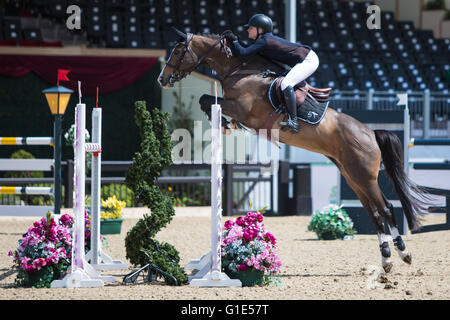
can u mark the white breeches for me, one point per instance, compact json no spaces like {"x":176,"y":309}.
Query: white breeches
{"x":301,"y":70}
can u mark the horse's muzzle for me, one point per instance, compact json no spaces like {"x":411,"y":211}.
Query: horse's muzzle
{"x":166,"y":83}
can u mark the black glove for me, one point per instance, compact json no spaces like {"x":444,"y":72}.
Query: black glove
{"x":230,"y":37}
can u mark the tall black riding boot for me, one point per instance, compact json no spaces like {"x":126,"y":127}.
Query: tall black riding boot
{"x":291,"y":106}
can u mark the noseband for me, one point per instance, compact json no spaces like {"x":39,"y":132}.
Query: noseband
{"x":178,"y":74}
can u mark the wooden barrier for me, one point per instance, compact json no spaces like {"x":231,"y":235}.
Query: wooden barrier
{"x":26,"y":165}
{"x":35,"y":141}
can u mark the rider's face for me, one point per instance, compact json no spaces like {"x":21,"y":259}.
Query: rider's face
{"x":252,"y":32}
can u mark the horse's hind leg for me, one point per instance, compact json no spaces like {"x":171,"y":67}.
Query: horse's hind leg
{"x":400,"y":246}
{"x":378,"y":221}
{"x":366,"y":188}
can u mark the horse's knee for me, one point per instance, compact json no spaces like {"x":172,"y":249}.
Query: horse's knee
{"x":205,"y":101}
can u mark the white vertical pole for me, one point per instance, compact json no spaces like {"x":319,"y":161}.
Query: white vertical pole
{"x":406,"y":142}
{"x":78,"y":203}
{"x":209,"y":266}
{"x":290,"y":15}
{"x":216,"y":188}
{"x":291,"y":20}
{"x":95,"y":186}
{"x":82,"y":274}
{"x":403,"y":100}
{"x":426,"y":114}
{"x":98,"y":259}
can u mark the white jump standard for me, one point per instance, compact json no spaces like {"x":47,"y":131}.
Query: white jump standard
{"x":209,"y":265}
{"x":81,"y":273}
{"x":97,"y":258}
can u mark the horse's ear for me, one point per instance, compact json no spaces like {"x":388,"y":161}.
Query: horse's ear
{"x":180,"y":33}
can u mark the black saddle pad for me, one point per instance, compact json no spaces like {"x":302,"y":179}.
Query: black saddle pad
{"x":310,"y":111}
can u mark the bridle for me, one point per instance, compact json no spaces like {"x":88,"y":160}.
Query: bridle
{"x":178,"y":73}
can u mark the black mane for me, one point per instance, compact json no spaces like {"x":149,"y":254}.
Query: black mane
{"x":210,"y":35}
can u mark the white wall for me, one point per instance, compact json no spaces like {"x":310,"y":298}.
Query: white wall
{"x":409,"y":10}
{"x":386,"y":5}
{"x":193,"y":85}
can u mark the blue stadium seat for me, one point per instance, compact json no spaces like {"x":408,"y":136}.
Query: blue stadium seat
{"x":12,"y":28}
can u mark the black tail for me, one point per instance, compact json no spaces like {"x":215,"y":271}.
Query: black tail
{"x":392,"y":154}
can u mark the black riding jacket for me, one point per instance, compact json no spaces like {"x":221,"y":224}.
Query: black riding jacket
{"x":274,"y":48}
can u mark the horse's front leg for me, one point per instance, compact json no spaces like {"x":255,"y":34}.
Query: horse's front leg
{"x":227,"y":106}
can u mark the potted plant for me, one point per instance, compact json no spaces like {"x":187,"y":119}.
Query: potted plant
{"x":330,"y":223}
{"x":249,"y":252}
{"x":44,"y":252}
{"x":432,"y":14}
{"x":111,"y":215}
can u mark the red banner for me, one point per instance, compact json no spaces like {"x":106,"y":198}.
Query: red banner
{"x":110,"y":73}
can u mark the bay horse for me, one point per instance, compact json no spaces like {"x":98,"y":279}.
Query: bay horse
{"x":354,"y":148}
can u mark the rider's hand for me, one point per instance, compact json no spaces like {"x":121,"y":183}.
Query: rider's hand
{"x":230,"y":37}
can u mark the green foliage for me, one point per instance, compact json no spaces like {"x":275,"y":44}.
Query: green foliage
{"x":181,"y":117}
{"x":69,"y":138}
{"x":155,"y":155}
{"x":447,"y":17}
{"x":22,"y":154}
{"x":435,"y":5}
{"x":332,"y":222}
{"x":42,"y":278}
{"x":122,"y":193}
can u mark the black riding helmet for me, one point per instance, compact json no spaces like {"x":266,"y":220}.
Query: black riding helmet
{"x":260,"y":21}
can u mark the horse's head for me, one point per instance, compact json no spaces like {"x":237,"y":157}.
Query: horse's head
{"x":182,"y":61}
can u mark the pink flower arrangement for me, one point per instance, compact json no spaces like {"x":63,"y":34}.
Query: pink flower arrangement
{"x":45,"y":249}
{"x":246,"y":244}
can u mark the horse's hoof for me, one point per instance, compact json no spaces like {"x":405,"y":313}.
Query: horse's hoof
{"x":387,"y":267}
{"x":407,"y":258}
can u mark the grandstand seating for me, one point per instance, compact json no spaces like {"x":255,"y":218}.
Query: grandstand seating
{"x":397,"y":57}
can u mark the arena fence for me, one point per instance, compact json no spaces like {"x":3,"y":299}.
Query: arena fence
{"x":429,"y":111}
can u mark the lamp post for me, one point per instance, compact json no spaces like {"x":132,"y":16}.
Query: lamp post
{"x":57,"y":99}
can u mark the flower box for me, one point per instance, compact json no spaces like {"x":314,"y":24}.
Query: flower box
{"x":249,"y":252}
{"x":111,"y":226}
{"x":249,"y":278}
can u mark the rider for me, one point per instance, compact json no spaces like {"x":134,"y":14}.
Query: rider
{"x":301,"y":58}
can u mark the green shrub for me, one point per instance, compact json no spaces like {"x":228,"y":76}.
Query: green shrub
{"x":332,"y":222}
{"x":435,"y":5}
{"x":447,"y":17}
{"x":141,"y":177}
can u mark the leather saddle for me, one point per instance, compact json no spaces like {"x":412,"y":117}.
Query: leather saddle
{"x":311,"y":102}
{"x":301,"y":91}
